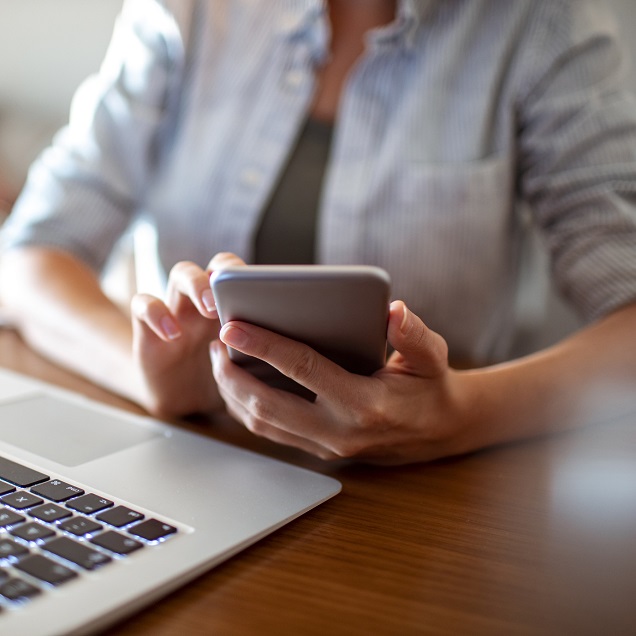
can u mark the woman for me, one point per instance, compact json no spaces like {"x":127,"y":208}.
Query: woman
{"x":436,"y":119}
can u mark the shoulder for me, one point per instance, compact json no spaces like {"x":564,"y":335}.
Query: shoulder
{"x":555,"y":25}
{"x":569,"y":41}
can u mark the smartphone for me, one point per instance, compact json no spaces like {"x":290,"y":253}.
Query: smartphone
{"x":340,"y":311}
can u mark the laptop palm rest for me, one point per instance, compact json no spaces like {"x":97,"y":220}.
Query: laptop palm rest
{"x":61,"y":432}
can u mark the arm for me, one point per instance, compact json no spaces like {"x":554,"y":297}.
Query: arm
{"x":82,"y":194}
{"x":83,"y":191}
{"x":57,"y":304}
{"x":586,"y":379}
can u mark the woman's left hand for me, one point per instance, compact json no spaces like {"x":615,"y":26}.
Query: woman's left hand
{"x":410,"y":410}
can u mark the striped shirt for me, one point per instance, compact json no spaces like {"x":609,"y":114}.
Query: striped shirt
{"x":462,"y":121}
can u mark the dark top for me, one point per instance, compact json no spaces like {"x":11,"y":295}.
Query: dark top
{"x":287,"y":233}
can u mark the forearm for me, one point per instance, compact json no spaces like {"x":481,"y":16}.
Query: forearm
{"x":58,"y":306}
{"x":586,"y":379}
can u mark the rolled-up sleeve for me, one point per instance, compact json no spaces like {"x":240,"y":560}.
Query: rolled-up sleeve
{"x":578,"y":156}
{"x":83,"y":191}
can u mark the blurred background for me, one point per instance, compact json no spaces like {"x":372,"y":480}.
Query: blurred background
{"x":47,"y":47}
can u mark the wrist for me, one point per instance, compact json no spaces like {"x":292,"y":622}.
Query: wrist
{"x":469,"y":411}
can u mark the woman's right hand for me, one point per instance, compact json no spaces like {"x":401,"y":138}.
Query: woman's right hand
{"x":171,"y":341}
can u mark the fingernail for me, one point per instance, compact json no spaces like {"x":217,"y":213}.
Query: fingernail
{"x":234,"y":336}
{"x":207,"y":297}
{"x":170,"y":328}
{"x":405,"y":317}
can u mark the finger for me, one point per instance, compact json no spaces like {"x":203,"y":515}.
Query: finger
{"x":221,"y":260}
{"x":418,"y":349}
{"x":264,"y":429}
{"x":267,"y":412}
{"x":294,"y":359}
{"x":153,"y":313}
{"x":241,"y":385}
{"x":189,"y":284}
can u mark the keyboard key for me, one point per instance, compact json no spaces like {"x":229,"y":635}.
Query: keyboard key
{"x":88,"y":504}
{"x":20,"y":475}
{"x":21,"y":500}
{"x":45,"y":569}
{"x":80,"y":526}
{"x":5,"y":488}
{"x":152,"y":529}
{"x":9,"y":548}
{"x":78,"y":553}
{"x":116,"y":542}
{"x":32,"y":531}
{"x":16,"y":589}
{"x":8,"y":517}
{"x":57,"y":490}
{"x":50,"y":513}
{"x":120,"y":516}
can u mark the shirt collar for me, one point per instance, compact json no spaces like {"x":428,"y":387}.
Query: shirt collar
{"x":410,"y":15}
{"x":298,"y":16}
{"x":415,"y":9}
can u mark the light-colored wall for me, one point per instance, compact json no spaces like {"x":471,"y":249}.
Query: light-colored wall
{"x":47,"y":47}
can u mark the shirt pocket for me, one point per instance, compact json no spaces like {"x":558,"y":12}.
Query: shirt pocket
{"x":453,"y":248}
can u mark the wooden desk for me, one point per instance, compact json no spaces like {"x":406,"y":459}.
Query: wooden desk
{"x":534,"y":538}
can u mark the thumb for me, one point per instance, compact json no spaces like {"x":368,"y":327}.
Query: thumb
{"x":418,"y":350}
{"x":221,"y":260}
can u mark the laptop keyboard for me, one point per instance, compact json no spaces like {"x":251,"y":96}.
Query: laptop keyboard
{"x":52,"y":532}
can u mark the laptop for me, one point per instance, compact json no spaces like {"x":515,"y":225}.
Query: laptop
{"x":103,"y":512}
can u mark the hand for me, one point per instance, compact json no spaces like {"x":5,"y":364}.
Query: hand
{"x":411,"y":410}
{"x":171,"y":341}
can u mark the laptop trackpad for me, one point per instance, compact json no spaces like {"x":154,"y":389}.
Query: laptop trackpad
{"x":65,"y":432}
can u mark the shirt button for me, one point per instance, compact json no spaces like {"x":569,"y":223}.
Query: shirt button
{"x":289,"y":22}
{"x":293,"y":79}
{"x":251,"y":177}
